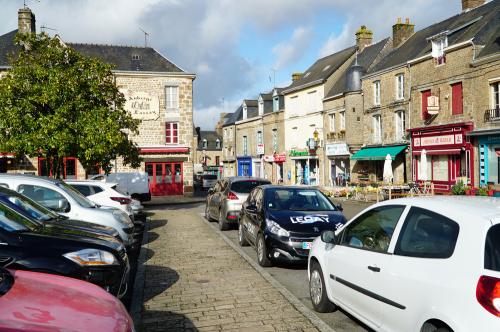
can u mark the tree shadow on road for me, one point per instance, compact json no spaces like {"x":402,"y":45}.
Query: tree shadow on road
{"x":156,"y":320}
{"x":157,"y":223}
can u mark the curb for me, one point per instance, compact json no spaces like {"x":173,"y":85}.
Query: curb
{"x":138,"y":293}
{"x":308,"y":313}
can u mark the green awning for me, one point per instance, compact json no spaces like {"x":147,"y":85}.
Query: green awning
{"x":378,"y":153}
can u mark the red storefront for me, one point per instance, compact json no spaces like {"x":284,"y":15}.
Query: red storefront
{"x":448,"y":152}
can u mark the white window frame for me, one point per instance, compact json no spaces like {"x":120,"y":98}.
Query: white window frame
{"x":204,"y":144}
{"x":171,"y":97}
{"x":400,"y":124}
{"x":377,"y":128}
{"x":260,"y":138}
{"x":342,"y":120}
{"x":438,"y":46}
{"x":217,"y":143}
{"x":276,"y":104}
{"x":245,"y":145}
{"x":332,"y":122}
{"x":400,"y":87}
{"x":245,"y":113}
{"x":376,"y":93}
{"x":275,"y":140}
{"x":495,"y":95}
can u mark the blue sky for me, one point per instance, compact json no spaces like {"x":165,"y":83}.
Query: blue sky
{"x":231,"y":45}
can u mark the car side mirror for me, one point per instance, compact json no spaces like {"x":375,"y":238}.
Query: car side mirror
{"x":339,"y":207}
{"x":63,"y":205}
{"x":328,"y":236}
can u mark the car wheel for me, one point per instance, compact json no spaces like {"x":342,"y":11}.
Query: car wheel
{"x":241,"y":237}
{"x":430,"y":327}
{"x":262,"y":252}
{"x":223,"y":226}
{"x":317,"y":290}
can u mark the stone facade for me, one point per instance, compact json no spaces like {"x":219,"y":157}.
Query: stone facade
{"x":273,"y":124}
{"x":229,"y":150}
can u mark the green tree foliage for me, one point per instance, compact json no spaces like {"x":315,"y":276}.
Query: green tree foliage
{"x":55,"y":102}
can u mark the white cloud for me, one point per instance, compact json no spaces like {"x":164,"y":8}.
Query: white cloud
{"x":292,"y":50}
{"x":337,"y":42}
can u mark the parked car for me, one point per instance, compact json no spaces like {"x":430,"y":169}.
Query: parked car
{"x":208,"y":181}
{"x":134,"y":184}
{"x":65,"y":200}
{"x":39,"y":302}
{"x":413,"y":264}
{"x":28,"y":244}
{"x":32,"y":209}
{"x":225,"y":199}
{"x":281,"y":222}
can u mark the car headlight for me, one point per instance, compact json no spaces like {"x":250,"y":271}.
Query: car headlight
{"x":122,"y":218}
{"x":86,"y":257}
{"x":275,"y":228}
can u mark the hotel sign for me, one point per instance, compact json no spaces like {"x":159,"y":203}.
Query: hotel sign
{"x":439,"y":140}
{"x":337,"y":149}
{"x":142,"y":105}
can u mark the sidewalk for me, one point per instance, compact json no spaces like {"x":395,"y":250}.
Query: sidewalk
{"x":194,"y":281}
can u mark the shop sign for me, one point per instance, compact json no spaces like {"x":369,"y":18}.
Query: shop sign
{"x":337,"y":149}
{"x":141,"y":105}
{"x":279,"y":158}
{"x":433,"y":104}
{"x":260,"y":148}
{"x":268,"y":158}
{"x":296,"y":153}
{"x":436,"y":140}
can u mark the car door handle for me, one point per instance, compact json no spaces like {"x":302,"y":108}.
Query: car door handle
{"x":373,"y":268}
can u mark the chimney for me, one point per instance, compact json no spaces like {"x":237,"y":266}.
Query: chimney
{"x":364,"y":37}
{"x":296,"y":76}
{"x":471,"y":4}
{"x":26,"y":21}
{"x":401,"y":32}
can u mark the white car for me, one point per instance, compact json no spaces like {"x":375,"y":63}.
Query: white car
{"x":413,"y":264}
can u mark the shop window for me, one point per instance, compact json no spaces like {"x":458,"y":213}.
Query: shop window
{"x":69,"y":168}
{"x":425,"y":94}
{"x":400,"y":87}
{"x":440,"y":168}
{"x":400,"y":123}
{"x":376,"y":93}
{"x":171,"y":133}
{"x":456,"y":99}
{"x":172,"y":97}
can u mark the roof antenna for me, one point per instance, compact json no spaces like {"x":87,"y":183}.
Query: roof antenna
{"x":24,"y":2}
{"x":44,"y":27}
{"x":146,"y":36}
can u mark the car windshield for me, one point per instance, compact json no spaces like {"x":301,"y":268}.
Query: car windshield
{"x":75,"y":194}
{"x":492,"y":249}
{"x":297,"y":199}
{"x":30,"y":208}
{"x":246,"y":186}
{"x":12,"y":221}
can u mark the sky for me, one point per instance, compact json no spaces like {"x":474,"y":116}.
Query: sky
{"x":236,"y":48}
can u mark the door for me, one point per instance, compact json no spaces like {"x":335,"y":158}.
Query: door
{"x":165,"y":178}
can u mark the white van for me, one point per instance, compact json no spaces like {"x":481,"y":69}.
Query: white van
{"x":67,"y":201}
{"x":134,"y":184}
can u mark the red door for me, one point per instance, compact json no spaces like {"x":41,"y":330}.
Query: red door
{"x":165,"y":178}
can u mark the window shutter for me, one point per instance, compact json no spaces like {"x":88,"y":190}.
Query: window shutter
{"x":457,"y":99}
{"x":425,"y":95}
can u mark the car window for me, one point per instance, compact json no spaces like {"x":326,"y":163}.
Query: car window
{"x":244,"y":187}
{"x":83,"y":189}
{"x":42,"y":195}
{"x":29,"y":207}
{"x":5,"y":185}
{"x":12,"y":221}
{"x":492,"y":249}
{"x":98,"y":189}
{"x":427,"y":234}
{"x":373,"y":229}
{"x":79,"y":198}
{"x":298,"y":199}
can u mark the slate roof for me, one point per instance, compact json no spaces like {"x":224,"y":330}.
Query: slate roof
{"x":267,"y":96}
{"x":211,"y":137}
{"x":366,"y":59}
{"x":233,"y":117}
{"x":322,"y":69}
{"x":251,"y":102}
{"x":127,"y":58}
{"x":480,"y":24}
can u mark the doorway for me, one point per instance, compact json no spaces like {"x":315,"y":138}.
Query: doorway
{"x":165,"y":178}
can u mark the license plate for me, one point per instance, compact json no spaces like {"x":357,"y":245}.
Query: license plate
{"x":306,"y":245}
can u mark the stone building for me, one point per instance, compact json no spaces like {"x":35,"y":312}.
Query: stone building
{"x":274,"y":138}
{"x":229,"y":142}
{"x":249,"y":140}
{"x":165,"y":108}
{"x":208,"y":153}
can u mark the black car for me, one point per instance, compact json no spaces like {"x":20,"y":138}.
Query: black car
{"x":282,"y":221}
{"x":32,"y":209}
{"x":28,"y":244}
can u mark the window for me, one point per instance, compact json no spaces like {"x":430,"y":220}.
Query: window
{"x":276,"y":104}
{"x":439,"y":168}
{"x":425,"y":94}
{"x":400,"y":87}
{"x":172,"y":97}
{"x":245,"y":146}
{"x":171,"y":133}
{"x":68,"y":168}
{"x":225,"y":132}
{"x":83,"y":189}
{"x":261,"y":107}
{"x":377,"y":129}
{"x":275,"y":140}
{"x":245,"y":113}
{"x":438,"y":46}
{"x":312,"y":101}
{"x":332,"y":122}
{"x":97,"y":189}
{"x":259,"y":137}
{"x":47,"y":197}
{"x":495,"y":95}
{"x":217,"y":160}
{"x":376,"y":92}
{"x":342,"y":120}
{"x":492,"y":249}
{"x":456,"y":99}
{"x":217,"y":143}
{"x":400,"y":125}
{"x":427,"y":234}
{"x":373,"y":229}
{"x":204,"y":143}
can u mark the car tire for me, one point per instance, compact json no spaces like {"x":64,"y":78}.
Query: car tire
{"x":223,"y":225}
{"x":317,"y":290}
{"x":207,"y":213}
{"x":241,"y":237}
{"x":430,"y":327}
{"x":262,"y":252}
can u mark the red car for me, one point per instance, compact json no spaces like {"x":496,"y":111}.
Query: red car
{"x":37,"y":302}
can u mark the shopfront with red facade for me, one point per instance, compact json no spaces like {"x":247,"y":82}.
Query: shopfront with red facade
{"x":447,"y":153}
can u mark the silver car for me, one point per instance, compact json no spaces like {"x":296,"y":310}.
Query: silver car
{"x":224,"y":200}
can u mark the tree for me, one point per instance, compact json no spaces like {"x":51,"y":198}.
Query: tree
{"x":55,"y":103}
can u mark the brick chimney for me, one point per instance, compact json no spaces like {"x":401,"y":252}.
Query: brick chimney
{"x":26,"y":21}
{"x":471,"y":4}
{"x":364,"y":37}
{"x":401,"y":32}
{"x":296,"y":76}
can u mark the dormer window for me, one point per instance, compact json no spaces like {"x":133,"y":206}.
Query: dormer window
{"x":217,"y":143}
{"x":204,"y":144}
{"x":261,"y":107}
{"x":135,"y":57}
{"x":438,"y":46}
{"x":276,"y":104}
{"x":245,"y":113}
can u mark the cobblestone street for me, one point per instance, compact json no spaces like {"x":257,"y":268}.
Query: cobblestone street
{"x":194,"y":281}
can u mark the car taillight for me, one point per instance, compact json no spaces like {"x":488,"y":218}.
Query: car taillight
{"x":488,"y":294}
{"x":232,"y":196}
{"x":122,"y":200}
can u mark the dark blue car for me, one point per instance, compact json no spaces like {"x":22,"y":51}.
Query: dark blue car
{"x":281,"y":222}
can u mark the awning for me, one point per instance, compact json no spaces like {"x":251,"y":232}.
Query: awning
{"x":378,"y":153}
